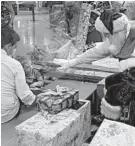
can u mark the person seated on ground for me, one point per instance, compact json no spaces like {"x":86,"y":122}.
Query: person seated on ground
{"x":13,"y":82}
{"x":119,"y":42}
{"x":33,"y":76}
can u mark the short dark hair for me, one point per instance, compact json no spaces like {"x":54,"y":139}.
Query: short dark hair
{"x":8,"y":35}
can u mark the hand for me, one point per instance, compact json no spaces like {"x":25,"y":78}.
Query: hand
{"x":39,"y":97}
{"x":33,"y":85}
{"x":43,"y":96}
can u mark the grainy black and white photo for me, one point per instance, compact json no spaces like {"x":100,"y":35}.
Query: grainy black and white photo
{"x":67,"y":73}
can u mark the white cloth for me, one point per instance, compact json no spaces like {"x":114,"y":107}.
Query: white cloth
{"x":125,"y":64}
{"x":13,"y":86}
{"x":109,"y":111}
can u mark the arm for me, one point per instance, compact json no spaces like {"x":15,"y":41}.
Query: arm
{"x":100,"y":51}
{"x":22,"y":90}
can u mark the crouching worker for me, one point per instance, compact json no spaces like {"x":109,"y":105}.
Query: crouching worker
{"x":33,"y":76}
{"x":120,"y":93}
{"x":13,"y":82}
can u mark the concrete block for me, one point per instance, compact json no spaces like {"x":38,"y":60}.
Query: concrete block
{"x":68,"y":128}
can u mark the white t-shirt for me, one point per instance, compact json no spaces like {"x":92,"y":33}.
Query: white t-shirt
{"x":13,"y":86}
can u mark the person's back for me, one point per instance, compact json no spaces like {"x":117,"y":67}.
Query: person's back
{"x":9,"y":99}
{"x":13,"y":82}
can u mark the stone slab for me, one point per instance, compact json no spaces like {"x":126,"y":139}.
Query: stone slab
{"x":68,"y":128}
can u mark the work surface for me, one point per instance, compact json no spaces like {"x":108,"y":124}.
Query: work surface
{"x":8,"y":136}
{"x":85,"y":89}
